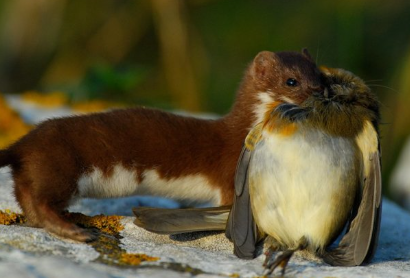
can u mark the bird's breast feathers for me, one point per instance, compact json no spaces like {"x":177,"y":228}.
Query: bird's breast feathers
{"x":301,"y":182}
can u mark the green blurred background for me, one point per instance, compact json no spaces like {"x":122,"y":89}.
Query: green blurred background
{"x":190,"y":55}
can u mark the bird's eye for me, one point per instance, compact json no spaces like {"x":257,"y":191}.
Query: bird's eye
{"x":292,"y":82}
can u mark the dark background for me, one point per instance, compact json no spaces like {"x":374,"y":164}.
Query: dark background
{"x":190,"y":55}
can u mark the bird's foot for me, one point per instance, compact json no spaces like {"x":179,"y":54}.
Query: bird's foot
{"x":272,"y":262}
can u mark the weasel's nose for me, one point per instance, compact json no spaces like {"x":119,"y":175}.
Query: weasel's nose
{"x":318,"y":90}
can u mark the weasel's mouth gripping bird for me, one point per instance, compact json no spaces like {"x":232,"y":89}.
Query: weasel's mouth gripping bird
{"x":307,"y":171}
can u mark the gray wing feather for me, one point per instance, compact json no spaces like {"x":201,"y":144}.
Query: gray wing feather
{"x":360,"y":242}
{"x":241,"y":227}
{"x":177,"y":221}
{"x":377,"y":218}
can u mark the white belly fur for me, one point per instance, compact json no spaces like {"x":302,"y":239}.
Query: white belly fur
{"x":295,"y":182}
{"x":123,"y":182}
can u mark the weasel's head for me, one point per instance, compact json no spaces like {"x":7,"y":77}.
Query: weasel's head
{"x":281,"y":77}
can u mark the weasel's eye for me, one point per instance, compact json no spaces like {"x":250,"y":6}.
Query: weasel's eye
{"x":292,"y":82}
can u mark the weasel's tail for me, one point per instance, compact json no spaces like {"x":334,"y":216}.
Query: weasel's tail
{"x":176,"y":221}
{"x":5,"y":158}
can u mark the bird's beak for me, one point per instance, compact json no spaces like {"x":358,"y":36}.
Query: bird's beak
{"x":326,"y":93}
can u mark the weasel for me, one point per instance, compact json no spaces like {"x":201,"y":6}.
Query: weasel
{"x":146,"y":151}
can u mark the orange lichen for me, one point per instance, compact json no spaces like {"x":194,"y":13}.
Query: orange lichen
{"x":11,"y":125}
{"x":9,"y":218}
{"x":108,"y":247}
{"x":51,"y":100}
{"x":136,"y":259}
{"x":107,"y":224}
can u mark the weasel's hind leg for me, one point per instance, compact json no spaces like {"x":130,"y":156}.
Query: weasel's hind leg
{"x":43,"y":208}
{"x":26,"y":203}
{"x":55,"y":223}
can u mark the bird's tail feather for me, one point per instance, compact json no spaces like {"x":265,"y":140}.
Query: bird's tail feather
{"x":177,"y":221}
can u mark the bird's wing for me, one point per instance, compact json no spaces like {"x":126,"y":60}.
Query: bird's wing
{"x":177,"y":221}
{"x":359,"y":244}
{"x":241,"y":227}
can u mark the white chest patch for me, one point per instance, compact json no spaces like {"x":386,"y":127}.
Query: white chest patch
{"x":124,"y":182}
{"x":296,"y":183}
{"x":264,"y":105}
{"x":261,"y":108}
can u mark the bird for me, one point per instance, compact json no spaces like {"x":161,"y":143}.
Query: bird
{"x":308,"y":173}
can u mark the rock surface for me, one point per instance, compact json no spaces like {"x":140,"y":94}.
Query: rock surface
{"x":30,"y":252}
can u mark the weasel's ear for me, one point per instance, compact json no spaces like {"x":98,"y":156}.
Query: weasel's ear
{"x":263,"y":64}
{"x":306,"y":53}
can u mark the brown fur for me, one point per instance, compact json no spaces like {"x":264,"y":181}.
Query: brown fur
{"x":270,"y":72}
{"x":47,"y":163}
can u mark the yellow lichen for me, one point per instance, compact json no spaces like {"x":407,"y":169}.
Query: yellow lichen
{"x":9,"y":218}
{"x":109,"y":247}
{"x":107,"y":224}
{"x":136,"y":259}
